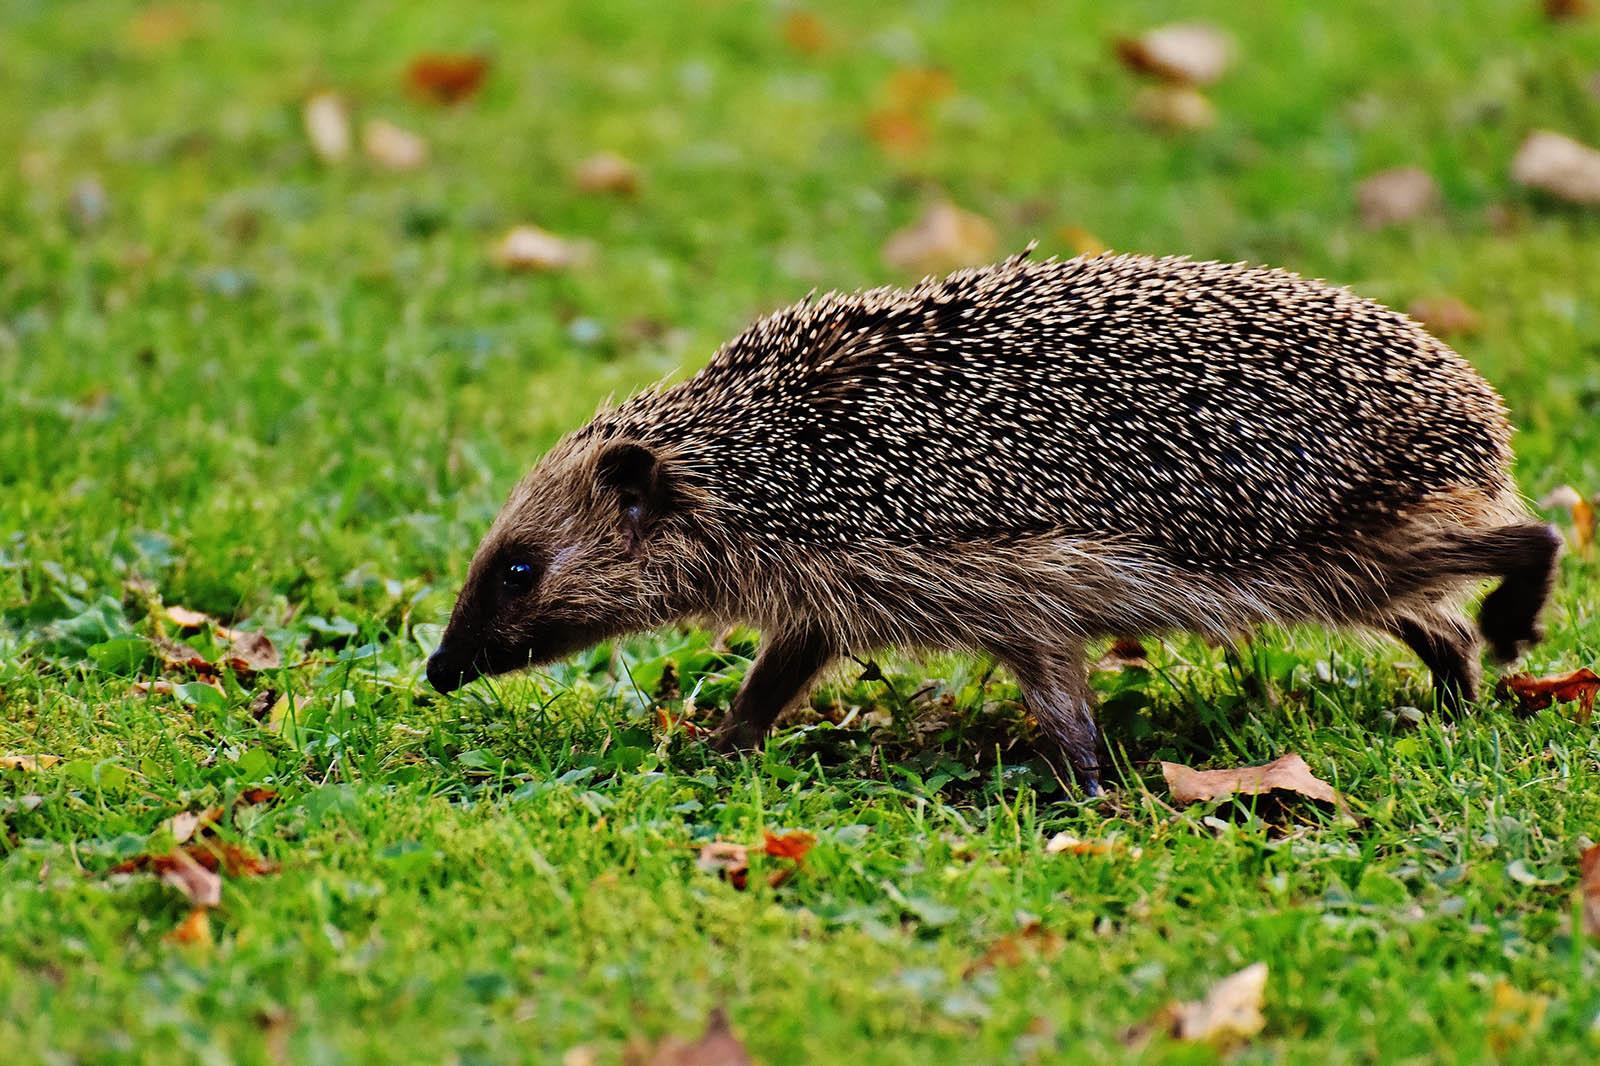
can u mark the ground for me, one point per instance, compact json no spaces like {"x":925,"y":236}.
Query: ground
{"x":291,"y":394}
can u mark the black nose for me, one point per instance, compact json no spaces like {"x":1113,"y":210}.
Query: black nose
{"x":444,"y":671}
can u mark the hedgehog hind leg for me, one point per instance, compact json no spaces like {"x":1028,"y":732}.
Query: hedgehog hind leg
{"x":1055,"y":686}
{"x":1526,"y":561}
{"x":1447,"y":645}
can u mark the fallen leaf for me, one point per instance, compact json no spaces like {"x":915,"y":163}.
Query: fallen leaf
{"x":1289,"y":773}
{"x":250,"y":652}
{"x":1558,"y":165}
{"x":901,"y":134}
{"x":154,"y":688}
{"x":1583,"y":522}
{"x":788,"y":845}
{"x":178,"y":868}
{"x":1444,"y":316}
{"x":1229,"y":1014}
{"x":606,"y":172}
{"x":327,"y":124}
{"x":717,"y":1047}
{"x":531,"y":248}
{"x":184,"y":618}
{"x":1536,"y":693}
{"x":731,"y":861}
{"x":1191,"y":53}
{"x":194,"y":929}
{"x":252,"y":796}
{"x":393,"y":147}
{"x":446,"y":79}
{"x":31,"y":763}
{"x":1011,"y":949}
{"x":1567,"y":9}
{"x":1176,"y":107}
{"x":899,"y":124}
{"x":804,"y":32}
{"x":945,"y":238}
{"x":1072,"y":845}
{"x":1589,"y":885}
{"x":1396,"y":195}
{"x":1082,"y":242}
{"x":184,"y":824}
{"x":237,"y":862}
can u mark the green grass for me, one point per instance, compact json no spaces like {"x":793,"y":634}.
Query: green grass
{"x":293,"y":395}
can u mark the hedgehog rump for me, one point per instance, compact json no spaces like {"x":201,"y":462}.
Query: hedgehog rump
{"x":1020,"y":458}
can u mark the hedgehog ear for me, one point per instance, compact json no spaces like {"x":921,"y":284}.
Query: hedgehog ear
{"x":636,"y":477}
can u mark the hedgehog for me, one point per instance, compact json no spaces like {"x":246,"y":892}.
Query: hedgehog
{"x":1015,"y":461}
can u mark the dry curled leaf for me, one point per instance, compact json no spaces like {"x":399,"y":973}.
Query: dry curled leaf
{"x":945,"y":238}
{"x":250,"y":652}
{"x":185,"y":824}
{"x":717,"y":1047}
{"x":181,"y":870}
{"x":1229,"y":1013}
{"x":1444,"y":316}
{"x":1536,"y":693}
{"x":1073,"y":846}
{"x":1396,"y":195}
{"x":787,"y":845}
{"x":1289,"y":774}
{"x":531,"y":248}
{"x":731,"y":861}
{"x":393,"y":147}
{"x":446,"y":79}
{"x":1191,"y":53}
{"x":1175,"y":107}
{"x":1589,"y":886}
{"x":327,"y":126}
{"x":1558,"y":165}
{"x":606,"y":172}
{"x":184,"y":618}
{"x":31,"y":763}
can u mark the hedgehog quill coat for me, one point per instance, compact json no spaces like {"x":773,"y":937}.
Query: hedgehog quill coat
{"x":1018,"y":459}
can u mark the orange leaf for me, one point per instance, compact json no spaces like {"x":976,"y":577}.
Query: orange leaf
{"x":1290,"y":774}
{"x":195,"y":929}
{"x":1536,"y":693}
{"x":788,"y":846}
{"x":251,"y":796}
{"x":184,"y":618}
{"x":902,"y":134}
{"x":732,"y":861}
{"x":446,"y":79}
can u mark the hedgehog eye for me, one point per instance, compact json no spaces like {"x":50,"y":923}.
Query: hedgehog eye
{"x":517,"y":579}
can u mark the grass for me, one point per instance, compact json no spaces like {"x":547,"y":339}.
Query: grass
{"x":292,"y":395}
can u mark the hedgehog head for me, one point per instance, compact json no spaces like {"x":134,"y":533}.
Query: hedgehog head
{"x":565,"y":564}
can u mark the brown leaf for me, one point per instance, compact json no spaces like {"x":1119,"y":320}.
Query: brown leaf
{"x":235,"y":861}
{"x":393,"y":147}
{"x":1396,"y":195}
{"x":1558,"y":10}
{"x":1444,"y":316}
{"x":184,"y":618}
{"x":805,"y":32}
{"x":184,"y":824}
{"x":1010,"y":949}
{"x":194,"y":929}
{"x":718,"y":1047}
{"x":1558,"y":165}
{"x":252,"y":796}
{"x":153,"y":688}
{"x":788,"y":845}
{"x":181,"y":870}
{"x":1072,"y":845}
{"x":327,"y":123}
{"x":1589,"y":885}
{"x":1289,"y":773}
{"x":1583,"y":523}
{"x":531,"y":248}
{"x":1190,"y":53}
{"x":250,"y":652}
{"x":446,"y":79}
{"x":730,"y":860}
{"x":899,"y":124}
{"x":606,"y":172}
{"x":902,"y":134}
{"x":31,"y":763}
{"x":1536,"y":693}
{"x":945,"y":238}
{"x":1175,"y":107}
{"x":1229,"y":1014}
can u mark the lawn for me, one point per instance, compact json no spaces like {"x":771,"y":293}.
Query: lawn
{"x":291,"y":394}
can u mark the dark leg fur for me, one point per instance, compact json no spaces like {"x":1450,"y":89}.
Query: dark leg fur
{"x":783,"y":669}
{"x":1526,"y":557}
{"x":1448,"y":647}
{"x":1055,"y":686}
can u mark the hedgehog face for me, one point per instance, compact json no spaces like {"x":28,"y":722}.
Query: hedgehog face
{"x":561,"y":568}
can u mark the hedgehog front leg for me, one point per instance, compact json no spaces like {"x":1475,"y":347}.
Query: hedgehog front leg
{"x":1055,"y":686}
{"x":783,"y":669}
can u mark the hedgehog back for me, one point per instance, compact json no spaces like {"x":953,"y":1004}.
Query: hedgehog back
{"x":1215,"y":413}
